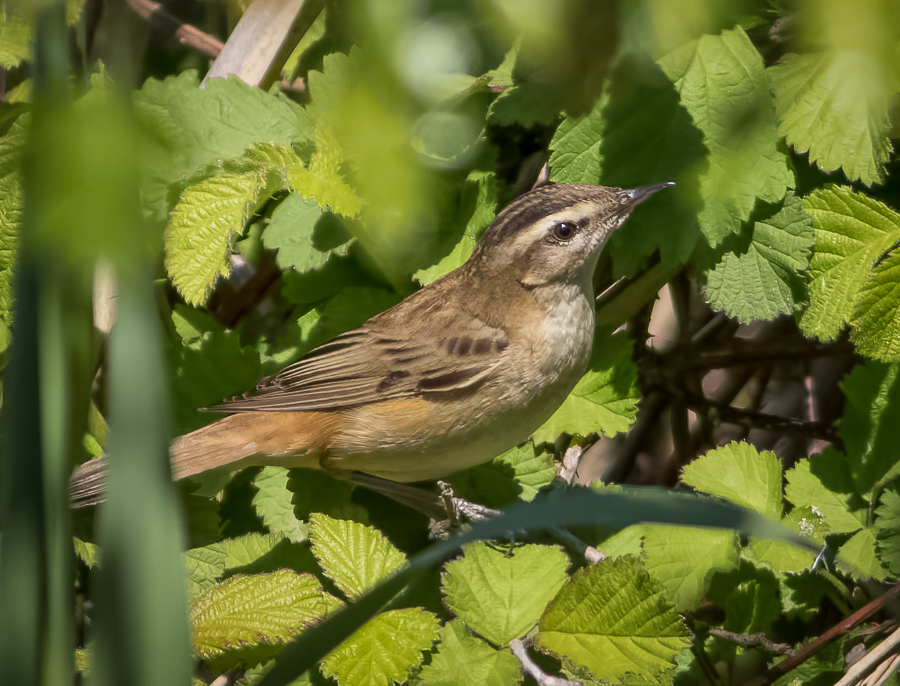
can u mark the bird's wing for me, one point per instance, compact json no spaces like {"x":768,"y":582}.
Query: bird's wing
{"x":373,"y":363}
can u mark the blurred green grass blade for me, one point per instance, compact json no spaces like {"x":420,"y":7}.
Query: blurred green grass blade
{"x":35,"y":561}
{"x":576,"y":507}
{"x":22,"y":560}
{"x":142,"y":625}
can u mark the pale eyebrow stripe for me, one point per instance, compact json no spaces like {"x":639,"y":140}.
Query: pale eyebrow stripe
{"x":574,"y":213}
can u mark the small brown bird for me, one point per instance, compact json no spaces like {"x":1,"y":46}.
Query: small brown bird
{"x":451,"y":377}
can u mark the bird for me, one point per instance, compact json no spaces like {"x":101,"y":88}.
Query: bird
{"x":452,"y":376}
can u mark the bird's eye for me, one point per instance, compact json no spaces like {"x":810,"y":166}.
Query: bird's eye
{"x":564,"y":230}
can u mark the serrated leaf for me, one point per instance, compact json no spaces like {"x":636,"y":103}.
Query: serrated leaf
{"x":760,"y":279}
{"x":647,"y":137}
{"x":204,"y":566}
{"x":612,"y":618}
{"x":15,"y":39}
{"x":526,"y":104}
{"x":247,"y":619}
{"x":464,"y":659}
{"x":575,"y":148}
{"x":852,"y":232}
{"x":87,"y":551}
{"x":210,"y":364}
{"x":189,"y":128}
{"x":10,"y":212}
{"x":383,"y":650}
{"x":203,"y":228}
{"x":887,"y":530}
{"x":749,"y":597}
{"x":532,"y":470}
{"x":323,"y":180}
{"x":726,"y":91}
{"x":317,"y":492}
{"x":354,"y":556}
{"x":870,"y":421}
{"x":739,"y":474}
{"x":876,"y":316}
{"x":805,"y":489}
{"x":605,"y":400}
{"x":479,"y":194}
{"x":304,"y":235}
{"x":683,"y":559}
{"x":273,"y":503}
{"x":858,"y":557}
{"x":834,"y":105}
{"x":782,"y":557}
{"x":483,"y":588}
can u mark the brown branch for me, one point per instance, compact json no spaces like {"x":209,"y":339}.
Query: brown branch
{"x":832,"y":634}
{"x":168,"y":25}
{"x":755,"y":420}
{"x":751,"y":640}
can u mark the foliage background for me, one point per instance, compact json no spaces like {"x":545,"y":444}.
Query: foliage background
{"x":229,"y":229}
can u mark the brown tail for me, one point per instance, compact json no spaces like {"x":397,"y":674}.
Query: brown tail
{"x":289,"y":439}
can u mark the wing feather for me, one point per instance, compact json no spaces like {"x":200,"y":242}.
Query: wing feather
{"x":365,"y":366}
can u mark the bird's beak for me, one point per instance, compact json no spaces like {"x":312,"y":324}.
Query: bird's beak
{"x":635,"y":196}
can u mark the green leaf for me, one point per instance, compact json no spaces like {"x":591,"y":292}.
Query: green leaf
{"x":683,"y":559}
{"x":648,"y":137}
{"x":612,"y":618}
{"x":782,"y":557}
{"x":605,"y":400}
{"x":189,"y":128}
{"x":532,"y":470}
{"x":876,"y":316}
{"x":739,"y":474}
{"x":805,"y":488}
{"x":760,"y":278}
{"x":315,"y":492}
{"x":834,"y":105}
{"x":15,"y":39}
{"x":870,"y":421}
{"x":383,"y":650}
{"x":575,"y":148}
{"x":464,"y":659}
{"x":519,"y":473}
{"x":354,"y":556}
{"x":246,"y":620}
{"x":305,"y":235}
{"x":204,"y":226}
{"x":483,"y":588}
{"x":526,"y":104}
{"x":323,"y":180}
{"x":725,"y":89}
{"x":887,"y":530}
{"x":10,"y":212}
{"x":858,"y":557}
{"x":479,"y":198}
{"x":749,"y":596}
{"x":210,"y":364}
{"x":273,"y":503}
{"x":204,"y":566}
{"x":852,"y":232}
{"x":87,"y":551}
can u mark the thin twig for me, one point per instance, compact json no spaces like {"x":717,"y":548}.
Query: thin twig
{"x":883,"y":672}
{"x":752,"y":640}
{"x":167,"y":24}
{"x":855,"y":674}
{"x":832,"y":634}
{"x":757,"y":420}
{"x":519,"y":648}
